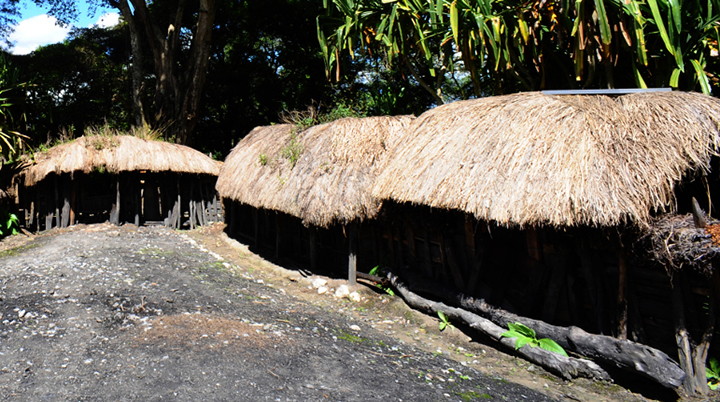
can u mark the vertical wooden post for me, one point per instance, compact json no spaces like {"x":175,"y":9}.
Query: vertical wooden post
{"x":137,"y":198}
{"x":49,"y":208}
{"x":115,"y":211}
{"x":352,"y":254}
{"x":178,"y":205}
{"x":73,"y":196}
{"x":233,"y":214}
{"x":312,"y":232}
{"x":622,"y":307}
{"x":694,"y":382}
{"x":191,"y":205}
{"x":57,"y":202}
{"x":256,"y":222}
{"x":65,"y":214}
{"x":427,"y":255}
{"x":277,"y":235}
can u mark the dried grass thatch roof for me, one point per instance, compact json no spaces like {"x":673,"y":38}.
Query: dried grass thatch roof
{"x":534,"y":159}
{"x":118,"y":154}
{"x":336,"y":163}
{"x":676,"y":243}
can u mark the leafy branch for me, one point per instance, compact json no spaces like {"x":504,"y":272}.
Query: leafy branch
{"x":526,"y":336}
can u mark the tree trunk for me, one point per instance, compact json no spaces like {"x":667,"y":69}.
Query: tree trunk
{"x":565,"y":367}
{"x":623,"y":354}
{"x":178,"y":89}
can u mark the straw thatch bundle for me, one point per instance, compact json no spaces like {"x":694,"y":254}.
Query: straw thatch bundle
{"x":676,"y":243}
{"x":118,"y":154}
{"x":529,"y":158}
{"x":320,"y":175}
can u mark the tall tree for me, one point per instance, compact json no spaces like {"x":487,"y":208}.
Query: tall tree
{"x":178,"y":40}
{"x":176,"y":35}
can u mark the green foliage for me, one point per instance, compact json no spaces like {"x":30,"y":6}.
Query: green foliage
{"x":317,"y":115}
{"x":377,"y":271}
{"x":444,"y":321}
{"x":263,"y":159}
{"x":9,"y":223}
{"x":510,"y":45}
{"x":292,"y":150}
{"x":526,"y":336}
{"x":11,"y":96}
{"x":713,"y":374}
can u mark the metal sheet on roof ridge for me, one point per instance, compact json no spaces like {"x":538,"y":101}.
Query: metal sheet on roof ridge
{"x":615,"y":91}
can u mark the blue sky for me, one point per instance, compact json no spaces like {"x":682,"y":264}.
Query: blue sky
{"x":36,"y":28}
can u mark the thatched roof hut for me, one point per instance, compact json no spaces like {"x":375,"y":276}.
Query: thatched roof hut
{"x":146,"y":181}
{"x":321,"y":175}
{"x":117,"y":154}
{"x":535,"y":159}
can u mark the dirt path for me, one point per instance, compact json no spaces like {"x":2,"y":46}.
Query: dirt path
{"x":116,"y":314}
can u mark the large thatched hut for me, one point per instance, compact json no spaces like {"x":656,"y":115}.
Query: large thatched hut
{"x":120,"y":179}
{"x":306,"y":192}
{"x":540,"y":204}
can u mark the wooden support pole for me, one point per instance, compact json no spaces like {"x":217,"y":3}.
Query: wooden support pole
{"x":115,"y":211}
{"x":427,"y":255}
{"x":57,"y":202}
{"x":73,"y":197}
{"x":191,"y":206}
{"x":256,"y":229}
{"x":312,"y":234}
{"x":65,"y":213}
{"x":48,"y":207}
{"x":622,"y":306}
{"x":558,"y":266}
{"x":178,"y":203}
{"x":682,"y":337}
{"x":352,"y":253}
{"x":278,"y":224}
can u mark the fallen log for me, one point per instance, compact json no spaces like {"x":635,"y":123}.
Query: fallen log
{"x":565,"y":367}
{"x":625,"y":354}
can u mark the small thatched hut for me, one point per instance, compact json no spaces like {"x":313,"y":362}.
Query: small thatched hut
{"x":536,"y":202}
{"x":314,"y":184}
{"x":120,"y":179}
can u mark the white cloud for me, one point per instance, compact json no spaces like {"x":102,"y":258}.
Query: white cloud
{"x":36,"y":31}
{"x":108,"y":20}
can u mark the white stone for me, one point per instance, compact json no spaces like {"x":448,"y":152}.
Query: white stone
{"x":355,"y":327}
{"x":322,"y":290}
{"x":319,"y":282}
{"x":354,"y":296}
{"x":342,"y":291}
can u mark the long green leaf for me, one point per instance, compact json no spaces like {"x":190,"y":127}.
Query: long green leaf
{"x":701,"y":76}
{"x":550,"y":345}
{"x":639,"y":81}
{"x":661,"y":26}
{"x":454,"y":21}
{"x":605,"y":33}
{"x":675,"y":78}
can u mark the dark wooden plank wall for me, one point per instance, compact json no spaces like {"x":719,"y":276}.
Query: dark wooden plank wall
{"x":129,"y":197}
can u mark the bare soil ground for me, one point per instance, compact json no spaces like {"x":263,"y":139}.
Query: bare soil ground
{"x":122,"y":314}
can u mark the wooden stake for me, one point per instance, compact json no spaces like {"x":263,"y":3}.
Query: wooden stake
{"x":57,"y":202}
{"x":682,"y":338}
{"x":352,"y":254}
{"x":622,"y":307}
{"x":312,"y":234}
{"x":72,"y":198}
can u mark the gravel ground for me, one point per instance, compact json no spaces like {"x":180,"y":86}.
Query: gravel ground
{"x":119,"y":314}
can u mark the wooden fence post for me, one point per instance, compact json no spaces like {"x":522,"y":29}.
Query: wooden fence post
{"x":352,"y":254}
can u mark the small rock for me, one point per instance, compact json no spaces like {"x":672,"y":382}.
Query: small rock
{"x":355,"y":327}
{"x":21,"y":313}
{"x":342,"y":291}
{"x":319,"y":282}
{"x":354,"y":296}
{"x":322,"y":290}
